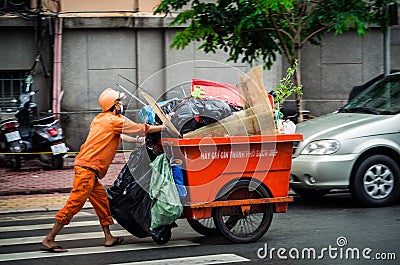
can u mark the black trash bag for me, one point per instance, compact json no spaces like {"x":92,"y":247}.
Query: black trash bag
{"x":169,"y":107}
{"x":154,"y":145}
{"x":129,"y":200}
{"x":192,"y":113}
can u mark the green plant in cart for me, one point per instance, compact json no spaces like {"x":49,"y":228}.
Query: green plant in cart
{"x":285,"y":89}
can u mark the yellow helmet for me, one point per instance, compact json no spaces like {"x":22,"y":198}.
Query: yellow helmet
{"x":108,"y":98}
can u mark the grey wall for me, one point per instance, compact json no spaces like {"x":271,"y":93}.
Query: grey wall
{"x":96,"y":50}
{"x":18,"y":51}
{"x":17,"y":48}
{"x":329,"y":72}
{"x":93,"y":59}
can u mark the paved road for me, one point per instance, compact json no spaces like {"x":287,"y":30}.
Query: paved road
{"x":333,"y":227}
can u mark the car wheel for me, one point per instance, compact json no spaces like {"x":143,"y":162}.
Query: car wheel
{"x":376,"y":181}
{"x":309,"y":193}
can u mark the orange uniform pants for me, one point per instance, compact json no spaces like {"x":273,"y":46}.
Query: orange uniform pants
{"x":86,"y":186}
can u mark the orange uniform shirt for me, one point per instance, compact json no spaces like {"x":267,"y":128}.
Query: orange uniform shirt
{"x":103,"y":139}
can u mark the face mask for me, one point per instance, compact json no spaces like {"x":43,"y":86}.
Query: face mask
{"x":120,"y":110}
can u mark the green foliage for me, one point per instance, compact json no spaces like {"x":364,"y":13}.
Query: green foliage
{"x":253,"y":30}
{"x":286,"y":86}
{"x":197,"y":92}
{"x":237,"y":27}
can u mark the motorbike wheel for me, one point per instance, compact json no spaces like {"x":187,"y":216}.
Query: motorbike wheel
{"x":57,"y":162}
{"x":15,"y":162}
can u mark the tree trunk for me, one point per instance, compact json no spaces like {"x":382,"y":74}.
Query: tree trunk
{"x":299,"y":98}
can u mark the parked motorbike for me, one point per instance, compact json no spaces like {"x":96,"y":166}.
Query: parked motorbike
{"x":292,"y":114}
{"x":41,"y":136}
{"x":10,"y":143}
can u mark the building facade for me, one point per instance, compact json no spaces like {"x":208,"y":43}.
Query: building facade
{"x":75,"y":49}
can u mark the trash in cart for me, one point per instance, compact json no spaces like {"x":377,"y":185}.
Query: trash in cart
{"x":143,"y":198}
{"x":223,"y":165}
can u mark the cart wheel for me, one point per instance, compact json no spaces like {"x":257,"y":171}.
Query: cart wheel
{"x":241,"y":225}
{"x":205,"y":227}
{"x":161,"y":235}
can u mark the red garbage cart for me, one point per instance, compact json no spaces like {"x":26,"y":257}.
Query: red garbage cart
{"x":234,"y":184}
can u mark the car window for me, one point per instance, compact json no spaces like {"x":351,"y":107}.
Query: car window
{"x":382,"y":97}
{"x":395,"y":97}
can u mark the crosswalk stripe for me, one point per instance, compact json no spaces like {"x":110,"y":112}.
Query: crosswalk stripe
{"x":63,"y":237}
{"x":93,"y":250}
{"x":45,"y":226}
{"x":34,"y":255}
{"x":198,"y":260}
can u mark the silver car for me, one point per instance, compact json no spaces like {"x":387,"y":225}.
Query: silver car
{"x":356,"y":148}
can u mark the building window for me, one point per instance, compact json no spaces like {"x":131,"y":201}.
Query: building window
{"x":15,"y":5}
{"x":11,"y":86}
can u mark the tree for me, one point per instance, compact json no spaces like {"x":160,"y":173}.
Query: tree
{"x":256,"y":30}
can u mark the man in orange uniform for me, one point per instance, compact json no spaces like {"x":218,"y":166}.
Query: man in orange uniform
{"x":91,"y":164}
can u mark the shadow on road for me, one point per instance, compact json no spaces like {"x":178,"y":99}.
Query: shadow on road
{"x":335,"y":200}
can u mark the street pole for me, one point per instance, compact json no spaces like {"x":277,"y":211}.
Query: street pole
{"x":387,"y":51}
{"x":392,"y":11}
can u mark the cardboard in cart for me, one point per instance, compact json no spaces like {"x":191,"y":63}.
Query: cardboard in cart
{"x":256,"y":118}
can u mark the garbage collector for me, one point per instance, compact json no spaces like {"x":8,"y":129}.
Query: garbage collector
{"x":91,"y":164}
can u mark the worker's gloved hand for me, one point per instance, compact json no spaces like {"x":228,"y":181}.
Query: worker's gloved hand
{"x":140,"y":139}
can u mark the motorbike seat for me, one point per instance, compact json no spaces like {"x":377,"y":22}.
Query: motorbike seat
{"x":7,"y":120}
{"x":25,"y":132}
{"x":42,"y":120}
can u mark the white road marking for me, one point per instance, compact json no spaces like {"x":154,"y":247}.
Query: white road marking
{"x":198,"y":260}
{"x":93,"y":250}
{"x":62,"y":237}
{"x":46,"y":226}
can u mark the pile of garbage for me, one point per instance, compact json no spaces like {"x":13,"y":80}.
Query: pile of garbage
{"x":146,"y":198}
{"x":217,"y":109}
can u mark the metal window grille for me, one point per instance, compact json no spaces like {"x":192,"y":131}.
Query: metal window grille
{"x":11,"y":86}
{"x":15,"y":5}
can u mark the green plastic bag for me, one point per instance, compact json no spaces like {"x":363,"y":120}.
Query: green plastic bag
{"x":167,"y":207}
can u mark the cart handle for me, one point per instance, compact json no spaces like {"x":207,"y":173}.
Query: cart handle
{"x":239,"y":202}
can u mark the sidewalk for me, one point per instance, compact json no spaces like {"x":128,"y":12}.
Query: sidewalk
{"x":36,"y":188}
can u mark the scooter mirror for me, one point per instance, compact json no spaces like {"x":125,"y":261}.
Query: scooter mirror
{"x":29,"y":79}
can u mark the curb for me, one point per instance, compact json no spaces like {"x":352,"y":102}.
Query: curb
{"x":34,"y":203}
{"x":36,"y":209}
{"x":34,"y":192}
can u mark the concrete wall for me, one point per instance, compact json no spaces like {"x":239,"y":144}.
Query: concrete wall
{"x":17,"y":48}
{"x":101,"y":5}
{"x":18,"y":51}
{"x":93,"y":59}
{"x":97,"y":49}
{"x":330,"y":71}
